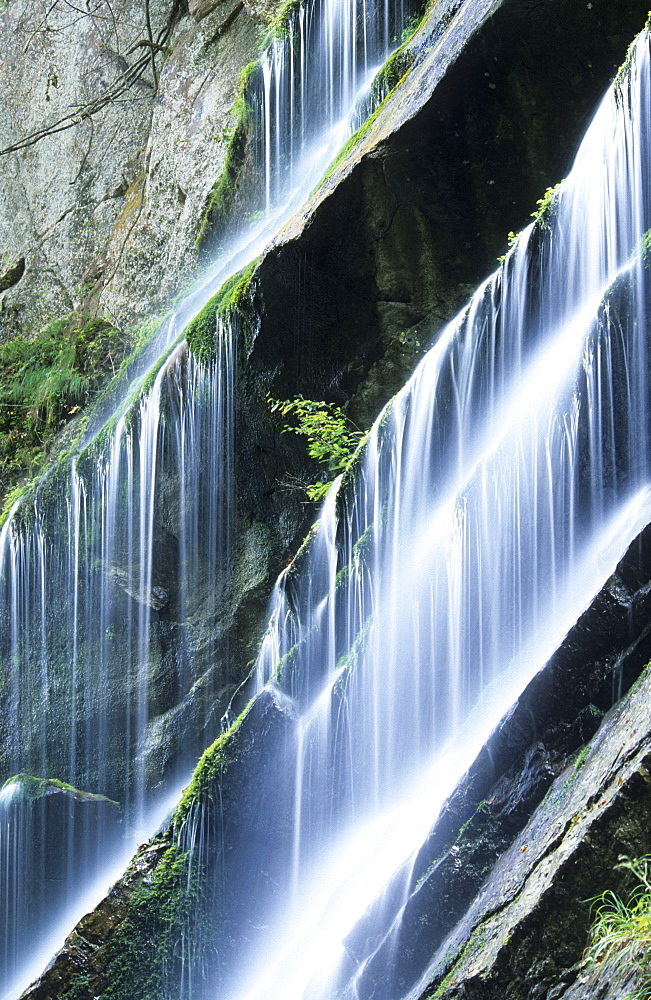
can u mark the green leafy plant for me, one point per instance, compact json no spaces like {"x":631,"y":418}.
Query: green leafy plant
{"x":547,"y":205}
{"x":511,"y":240}
{"x":331,"y":437}
{"x":621,"y":931}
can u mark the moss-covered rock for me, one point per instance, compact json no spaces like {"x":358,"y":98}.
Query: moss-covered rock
{"x":45,"y":381}
{"x":226,"y":304}
{"x":177,"y":908}
{"x":27,"y":788}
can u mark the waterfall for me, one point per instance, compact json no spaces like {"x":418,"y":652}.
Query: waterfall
{"x":493,"y":498}
{"x":83,"y":590}
{"x":119,"y":559}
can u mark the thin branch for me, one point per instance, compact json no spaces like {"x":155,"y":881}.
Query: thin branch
{"x":111,"y":95}
{"x":150,"y":39}
{"x":114,"y":93}
{"x":87,"y":153}
{"x":40,"y":26}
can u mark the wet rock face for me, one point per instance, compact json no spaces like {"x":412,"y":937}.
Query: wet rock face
{"x":382,"y":258}
{"x":415,"y":217}
{"x":498,"y":902}
{"x":245,"y":800}
{"x":497,"y":907}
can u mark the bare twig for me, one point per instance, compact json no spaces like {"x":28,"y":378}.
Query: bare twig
{"x":111,"y":95}
{"x":87,"y":153}
{"x":133,"y":74}
{"x":150,"y":39}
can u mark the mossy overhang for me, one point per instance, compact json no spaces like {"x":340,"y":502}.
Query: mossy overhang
{"x":28,"y":788}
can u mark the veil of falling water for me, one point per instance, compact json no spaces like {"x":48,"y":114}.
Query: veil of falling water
{"x":94,"y":569}
{"x":494,"y":497}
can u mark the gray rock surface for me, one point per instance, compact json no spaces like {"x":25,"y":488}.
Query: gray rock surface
{"x":105,"y":213}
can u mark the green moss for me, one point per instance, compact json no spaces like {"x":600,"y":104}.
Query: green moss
{"x":200,"y":333}
{"x":354,"y":140}
{"x":146,"y":950}
{"x":622,"y":77}
{"x":11,"y":497}
{"x":208,"y":771}
{"x":172,"y":914}
{"x":286,"y":665}
{"x":361,"y":550}
{"x":396,"y":68}
{"x":32,"y":789}
{"x":443,"y":987}
{"x":44,"y":383}
{"x":349,"y":659}
{"x":279,"y":25}
{"x":221,"y":199}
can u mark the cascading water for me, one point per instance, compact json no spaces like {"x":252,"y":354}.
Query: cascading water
{"x":309,"y":81}
{"x":493,"y":499}
{"x":83,"y":593}
{"x":129,"y":555}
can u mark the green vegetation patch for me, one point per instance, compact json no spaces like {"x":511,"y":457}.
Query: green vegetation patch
{"x":279,"y":25}
{"x":45,"y":381}
{"x":31,"y":789}
{"x":172,"y":915}
{"x":354,"y":140}
{"x":212,"y":764}
{"x":221,"y":200}
{"x":332,"y":439}
{"x":222,"y":197}
{"x":145,"y":953}
{"x":200,"y":333}
{"x":547,"y":205}
{"x":621,"y":931}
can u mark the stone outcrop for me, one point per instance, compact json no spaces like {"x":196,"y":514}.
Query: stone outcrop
{"x":499,"y":901}
{"x":42,"y":824}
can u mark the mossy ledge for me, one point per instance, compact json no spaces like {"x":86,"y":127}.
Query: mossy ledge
{"x":200,"y":333}
{"x":209,"y":770}
{"x":133,"y":943}
{"x":224,"y":195}
{"x":172,"y":905}
{"x":27,"y":788}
